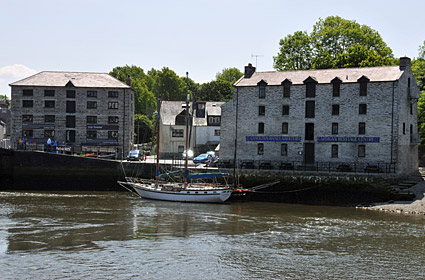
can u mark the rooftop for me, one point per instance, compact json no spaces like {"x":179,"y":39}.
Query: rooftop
{"x":78,"y":79}
{"x":324,"y":76}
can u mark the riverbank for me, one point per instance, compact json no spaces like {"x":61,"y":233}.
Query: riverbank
{"x":417,"y":206}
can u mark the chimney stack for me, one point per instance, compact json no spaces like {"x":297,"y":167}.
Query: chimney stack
{"x":404,"y":62}
{"x":128,"y":81}
{"x":249,"y":70}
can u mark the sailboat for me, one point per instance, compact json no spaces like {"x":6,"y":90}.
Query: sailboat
{"x":180,"y":185}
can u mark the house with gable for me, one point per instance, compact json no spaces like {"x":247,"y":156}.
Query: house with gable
{"x":203,"y":134}
{"x":351,"y":119}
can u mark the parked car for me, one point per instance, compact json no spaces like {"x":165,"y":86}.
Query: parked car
{"x":203,"y":158}
{"x":135,"y":155}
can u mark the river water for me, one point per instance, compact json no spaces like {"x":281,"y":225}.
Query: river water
{"x":105,"y":235}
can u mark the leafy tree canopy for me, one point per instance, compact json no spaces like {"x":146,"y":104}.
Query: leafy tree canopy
{"x":5,"y":99}
{"x":334,"y":43}
{"x":230,"y":75}
{"x":418,"y":68}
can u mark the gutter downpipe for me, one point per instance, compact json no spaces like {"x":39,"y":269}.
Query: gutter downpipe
{"x":235,"y":180}
{"x":392,"y":124}
{"x":123,"y":130}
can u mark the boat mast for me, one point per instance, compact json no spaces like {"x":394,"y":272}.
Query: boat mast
{"x":187,"y":128}
{"x":158,"y":119}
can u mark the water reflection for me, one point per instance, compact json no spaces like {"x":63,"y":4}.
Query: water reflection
{"x":42,"y":233}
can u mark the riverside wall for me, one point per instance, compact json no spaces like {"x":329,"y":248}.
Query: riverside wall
{"x":29,"y":170}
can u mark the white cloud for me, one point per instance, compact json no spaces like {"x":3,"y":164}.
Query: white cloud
{"x":13,"y":73}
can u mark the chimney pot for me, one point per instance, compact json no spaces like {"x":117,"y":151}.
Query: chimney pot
{"x":249,"y":70}
{"x":128,"y":81}
{"x":404,"y":62}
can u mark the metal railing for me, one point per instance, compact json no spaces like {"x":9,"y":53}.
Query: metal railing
{"x":329,"y":167}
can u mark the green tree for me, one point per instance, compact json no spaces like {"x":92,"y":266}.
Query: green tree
{"x":143,"y":128}
{"x":418,"y":68}
{"x":230,"y":75}
{"x":5,"y":99}
{"x":296,"y":52}
{"x":218,"y":90}
{"x":334,"y":43}
{"x":145,"y":101}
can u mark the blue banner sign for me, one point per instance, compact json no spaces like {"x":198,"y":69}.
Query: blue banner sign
{"x":274,"y":138}
{"x":351,"y":139}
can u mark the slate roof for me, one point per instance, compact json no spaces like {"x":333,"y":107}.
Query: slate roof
{"x":78,"y":79}
{"x":170,"y":109}
{"x":324,"y":76}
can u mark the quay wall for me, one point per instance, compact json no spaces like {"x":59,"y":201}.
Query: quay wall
{"x":29,"y":170}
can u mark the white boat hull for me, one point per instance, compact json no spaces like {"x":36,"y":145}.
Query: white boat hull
{"x":202,"y":195}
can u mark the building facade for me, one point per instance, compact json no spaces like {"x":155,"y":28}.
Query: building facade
{"x":81,"y":112}
{"x":205,"y":131}
{"x":358,"y":118}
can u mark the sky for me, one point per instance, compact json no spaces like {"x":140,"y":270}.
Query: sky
{"x":201,"y":37}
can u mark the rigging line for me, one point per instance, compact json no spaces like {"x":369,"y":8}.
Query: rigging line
{"x":299,"y":190}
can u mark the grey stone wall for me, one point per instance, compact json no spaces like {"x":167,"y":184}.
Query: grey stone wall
{"x":388,"y":107}
{"x":125,"y":114}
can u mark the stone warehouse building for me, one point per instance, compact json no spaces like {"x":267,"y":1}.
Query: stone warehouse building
{"x":354,"y":119}
{"x":205,"y":134}
{"x":82,"y":112}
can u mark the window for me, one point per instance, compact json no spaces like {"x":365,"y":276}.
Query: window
{"x":180,"y":149}
{"x":217,"y":132}
{"x":70,"y":94}
{"x":112,"y":134}
{"x":411,"y":129}
{"x":49,"y":104}
{"x":404,"y":128}
{"x":309,"y":109}
{"x":70,"y":121}
{"x":262,"y":91}
{"x":334,"y":128}
{"x":70,"y":106}
{"x":285,"y":110}
{"x":260,"y":128}
{"x":113,"y":94}
{"x":336,"y":87}
{"x":285,"y":128}
{"x":91,"y":119}
{"x":334,"y":152}
{"x":310,"y":90}
{"x":261,"y":110}
{"x":411,"y":108}
{"x":49,"y":92}
{"x":91,"y":93}
{"x":284,"y":150}
{"x":91,"y":134}
{"x":112,"y":105}
{"x":260,"y":149}
{"x":177,"y":133}
{"x":286,"y":90}
{"x":362,"y":109}
{"x":49,"y":118}
{"x":309,"y":131}
{"x":27,"y":118}
{"x":335,"y":109}
{"x":112,"y":119}
{"x":27,"y":103}
{"x":27,"y":92}
{"x":70,"y":136}
{"x":362,"y":151}
{"x":27,"y":133}
{"x":91,"y":104}
{"x":49,"y":133}
{"x":362,"y":128}
{"x":310,"y":86}
{"x":363,"y":89}
{"x":214,"y":120}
